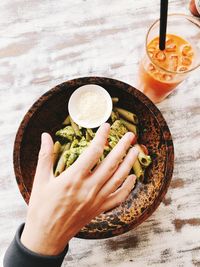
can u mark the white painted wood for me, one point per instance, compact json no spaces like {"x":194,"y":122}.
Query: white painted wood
{"x":45,"y":42}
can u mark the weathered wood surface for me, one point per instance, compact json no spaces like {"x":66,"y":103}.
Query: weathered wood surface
{"x":43,"y":43}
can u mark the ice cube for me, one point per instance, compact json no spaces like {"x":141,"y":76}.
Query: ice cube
{"x":151,"y":68}
{"x":186,"y":61}
{"x":190,"y":54}
{"x":182,"y":68}
{"x":156,"y":44}
{"x":169,"y":41}
{"x":167,"y":77}
{"x":187,"y":50}
{"x":171,"y":48}
{"x":151,"y":49}
{"x":150,"y":54}
{"x":170,"y":45}
{"x":173,"y":62}
{"x":160,"y":55}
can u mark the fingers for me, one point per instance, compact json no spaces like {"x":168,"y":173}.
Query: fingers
{"x":45,"y":157}
{"x":120,"y":175}
{"x":88,"y":159}
{"x":119,"y":196}
{"x":109,"y":165}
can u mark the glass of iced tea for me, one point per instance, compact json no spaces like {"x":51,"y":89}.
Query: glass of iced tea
{"x":161,"y":71}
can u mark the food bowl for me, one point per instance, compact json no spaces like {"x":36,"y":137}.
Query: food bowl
{"x":47,"y":115}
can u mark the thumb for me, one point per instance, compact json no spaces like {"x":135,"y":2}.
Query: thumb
{"x":45,"y":157}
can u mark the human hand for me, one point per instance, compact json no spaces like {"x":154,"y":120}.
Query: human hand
{"x":59,"y":207}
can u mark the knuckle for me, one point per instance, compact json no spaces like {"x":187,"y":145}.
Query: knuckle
{"x":81,"y":197}
{"x":78,"y":185}
{"x":66,"y":185}
{"x":83,"y":172}
{"x":112,"y":167}
{"x":101,"y":196}
{"x":43,"y":154}
{"x":88,"y":198}
{"x":117,"y":183}
{"x":97,"y":150}
{"x":78,"y":178}
{"x":72,"y":180}
{"x":118,"y":157}
{"x":76,"y":175}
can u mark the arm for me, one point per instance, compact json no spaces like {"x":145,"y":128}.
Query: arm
{"x":18,"y":255}
{"x":59,"y":207}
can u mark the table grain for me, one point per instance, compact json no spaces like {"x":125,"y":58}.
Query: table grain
{"x":46,"y":42}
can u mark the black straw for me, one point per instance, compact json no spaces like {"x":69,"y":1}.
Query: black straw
{"x":163,"y":23}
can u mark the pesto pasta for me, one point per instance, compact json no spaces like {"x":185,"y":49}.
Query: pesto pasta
{"x":72,"y":140}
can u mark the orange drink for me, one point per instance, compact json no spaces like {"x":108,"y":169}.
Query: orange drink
{"x":161,"y":71}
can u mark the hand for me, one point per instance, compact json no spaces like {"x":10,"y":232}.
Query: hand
{"x":59,"y":207}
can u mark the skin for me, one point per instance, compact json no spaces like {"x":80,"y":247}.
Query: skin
{"x":60,"y":206}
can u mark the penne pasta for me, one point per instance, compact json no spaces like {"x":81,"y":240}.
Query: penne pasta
{"x":66,"y":121}
{"x":115,"y":100}
{"x":131,"y":127}
{"x":138,"y":171}
{"x":78,"y":139}
{"x":62,"y":161}
{"x":75,"y":127}
{"x":56,"y":151}
{"x":127,"y":115}
{"x":144,"y":159}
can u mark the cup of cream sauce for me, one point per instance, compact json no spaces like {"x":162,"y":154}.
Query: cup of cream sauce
{"x":90,"y":106}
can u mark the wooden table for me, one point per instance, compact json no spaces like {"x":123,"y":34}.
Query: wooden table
{"x":43,"y":43}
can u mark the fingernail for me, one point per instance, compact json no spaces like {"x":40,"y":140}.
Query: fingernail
{"x":106,"y":126}
{"x":130,"y":135}
{"x":43,"y":138}
{"x":135,"y":150}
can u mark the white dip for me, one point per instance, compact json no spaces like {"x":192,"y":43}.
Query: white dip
{"x":90,"y":105}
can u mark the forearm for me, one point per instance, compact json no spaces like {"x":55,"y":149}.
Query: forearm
{"x":19,"y":256}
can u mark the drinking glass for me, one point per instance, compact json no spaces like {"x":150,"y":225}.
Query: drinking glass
{"x":161,"y":71}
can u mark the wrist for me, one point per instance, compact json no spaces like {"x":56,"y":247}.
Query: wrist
{"x":38,"y":241}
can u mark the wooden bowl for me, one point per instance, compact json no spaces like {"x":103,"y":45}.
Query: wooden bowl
{"x":47,"y":115}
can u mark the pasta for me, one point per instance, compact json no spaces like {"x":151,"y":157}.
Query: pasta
{"x":56,"y":150}
{"x":138,"y":171}
{"x":115,"y":100}
{"x":72,"y":140}
{"x":130,"y":126}
{"x":62,"y":162}
{"x":67,"y":121}
{"x":127,"y":115}
{"x":144,"y":159}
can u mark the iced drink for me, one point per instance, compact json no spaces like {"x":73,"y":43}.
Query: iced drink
{"x":160,"y":77}
{"x":161,"y":71}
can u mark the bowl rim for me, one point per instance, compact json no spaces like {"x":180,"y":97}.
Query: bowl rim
{"x":168,"y":171}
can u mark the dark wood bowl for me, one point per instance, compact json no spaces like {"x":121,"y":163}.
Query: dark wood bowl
{"x":47,"y":115}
